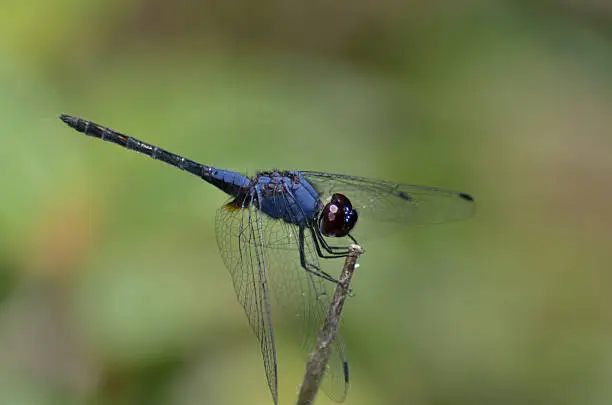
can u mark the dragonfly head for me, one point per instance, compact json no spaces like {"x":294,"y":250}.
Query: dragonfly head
{"x":338,"y":216}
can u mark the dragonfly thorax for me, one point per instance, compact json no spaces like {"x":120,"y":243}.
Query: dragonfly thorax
{"x":283,"y":195}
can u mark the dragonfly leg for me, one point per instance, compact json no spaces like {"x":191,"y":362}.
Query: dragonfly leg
{"x":320,"y":241}
{"x":353,"y":239}
{"x":343,"y":250}
{"x":334,"y":251}
{"x":310,"y":267}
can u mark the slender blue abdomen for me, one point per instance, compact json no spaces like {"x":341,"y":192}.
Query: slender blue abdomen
{"x":226,"y":180}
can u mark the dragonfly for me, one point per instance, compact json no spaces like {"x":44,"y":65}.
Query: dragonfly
{"x":279,"y":228}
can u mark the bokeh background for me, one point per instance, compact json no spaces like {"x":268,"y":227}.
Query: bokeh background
{"x":111,"y":287}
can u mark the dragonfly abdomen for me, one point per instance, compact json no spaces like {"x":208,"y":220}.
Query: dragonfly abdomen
{"x":226,"y":180}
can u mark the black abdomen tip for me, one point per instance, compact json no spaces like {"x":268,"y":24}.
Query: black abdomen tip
{"x":75,"y":122}
{"x":69,"y":119}
{"x":466,"y":196}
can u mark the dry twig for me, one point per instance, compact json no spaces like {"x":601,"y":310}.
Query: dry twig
{"x":317,"y":362}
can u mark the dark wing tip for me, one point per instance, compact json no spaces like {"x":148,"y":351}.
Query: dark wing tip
{"x":466,"y":197}
{"x":346,"y":371}
{"x":404,"y":196}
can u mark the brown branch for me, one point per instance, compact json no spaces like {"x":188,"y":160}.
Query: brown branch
{"x":317,"y":362}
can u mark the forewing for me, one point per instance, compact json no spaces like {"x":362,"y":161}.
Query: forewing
{"x":241,"y":242}
{"x":393,"y":202}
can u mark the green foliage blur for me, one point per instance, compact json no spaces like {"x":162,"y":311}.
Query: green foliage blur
{"x":111,"y":287}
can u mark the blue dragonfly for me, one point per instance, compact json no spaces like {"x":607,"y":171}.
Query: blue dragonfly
{"x":279,"y":227}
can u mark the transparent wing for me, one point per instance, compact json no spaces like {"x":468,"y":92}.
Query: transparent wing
{"x":241,"y":242}
{"x":387,"y":201}
{"x":263,"y":257}
{"x":305,"y":296}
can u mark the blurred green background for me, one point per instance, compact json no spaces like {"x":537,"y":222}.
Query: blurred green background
{"x":111,"y":287}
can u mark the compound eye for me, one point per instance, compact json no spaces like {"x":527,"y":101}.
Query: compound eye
{"x":337,"y":217}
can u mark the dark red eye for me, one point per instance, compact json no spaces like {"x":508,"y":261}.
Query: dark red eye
{"x":337,"y":217}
